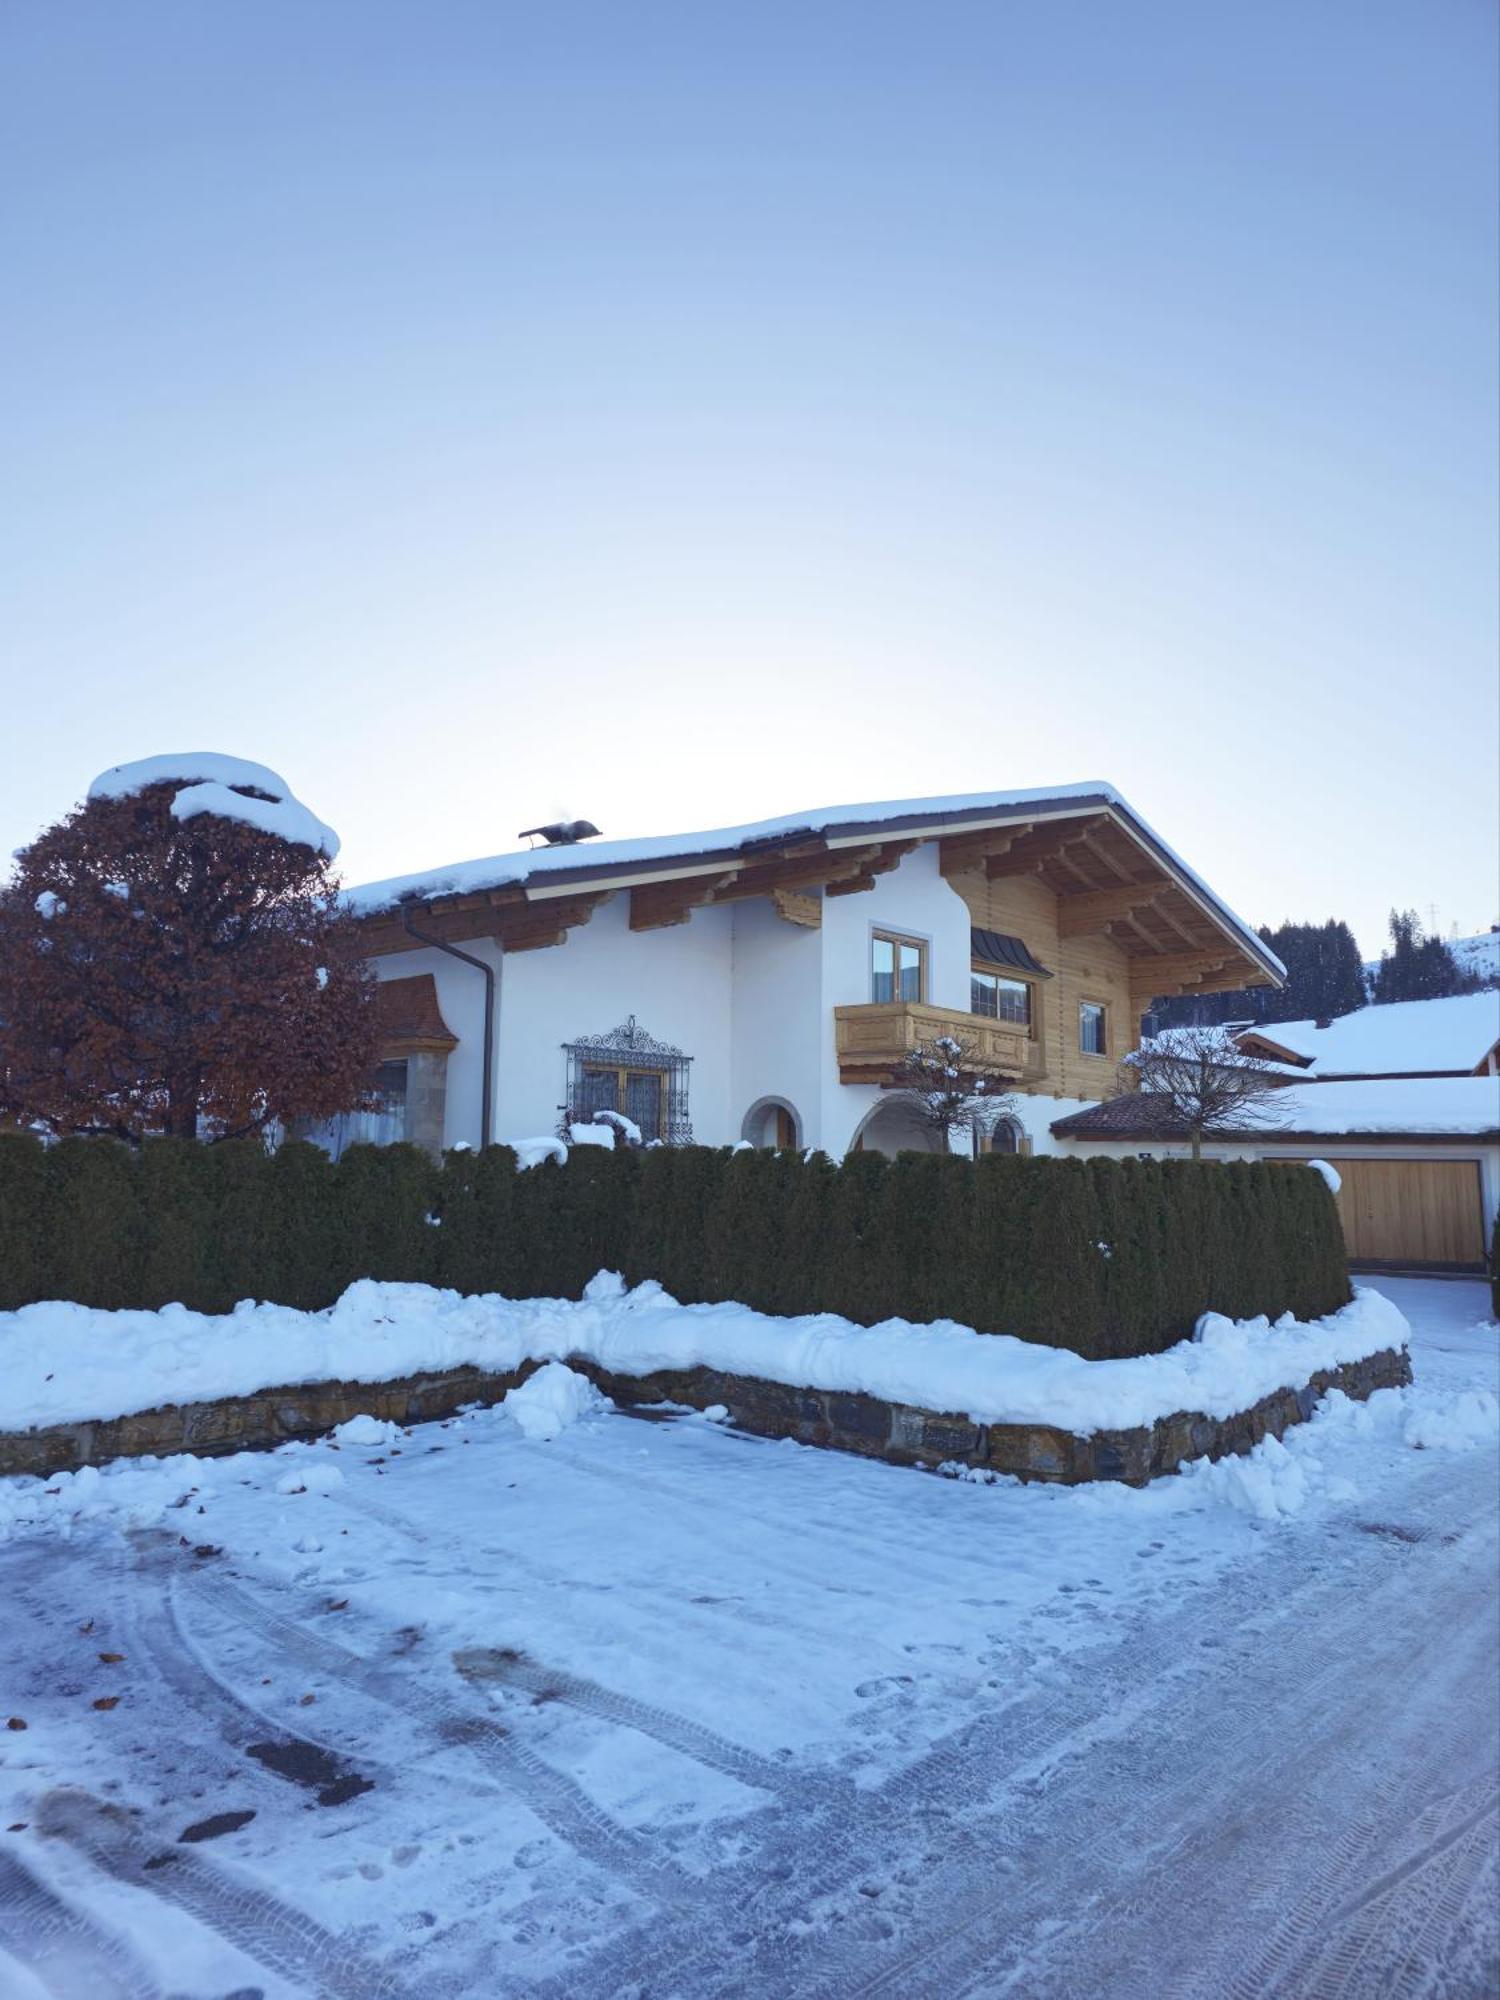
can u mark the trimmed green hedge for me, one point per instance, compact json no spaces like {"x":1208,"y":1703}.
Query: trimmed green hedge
{"x":1106,"y":1257}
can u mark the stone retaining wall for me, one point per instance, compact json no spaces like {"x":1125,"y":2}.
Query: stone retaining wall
{"x":862,"y":1424}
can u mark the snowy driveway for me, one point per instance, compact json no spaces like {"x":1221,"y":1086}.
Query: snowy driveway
{"x":652,"y":1709}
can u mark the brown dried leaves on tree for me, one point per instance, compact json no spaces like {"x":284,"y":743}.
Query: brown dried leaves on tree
{"x":1204,"y":1085}
{"x":181,"y":977}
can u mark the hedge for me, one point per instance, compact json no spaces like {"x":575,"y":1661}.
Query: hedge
{"x":1107,"y":1257}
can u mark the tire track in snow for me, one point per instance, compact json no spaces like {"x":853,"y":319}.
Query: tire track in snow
{"x":970,"y":1774}
{"x":1428,"y":1886}
{"x":69,"y":1953}
{"x":671,"y":1616}
{"x":556,"y":1800}
{"x":1300,"y":1932}
{"x":269,"y":1932}
{"x":1326,"y":1720}
{"x":499,"y":1666}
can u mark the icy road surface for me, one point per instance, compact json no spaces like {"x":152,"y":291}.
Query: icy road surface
{"x":651,"y":1709}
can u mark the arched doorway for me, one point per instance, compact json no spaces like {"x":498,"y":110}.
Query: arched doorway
{"x":893,"y":1128}
{"x":772,"y":1121}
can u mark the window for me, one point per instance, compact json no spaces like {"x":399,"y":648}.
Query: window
{"x":381,"y":1120}
{"x":1092,"y":1028}
{"x":999,"y":997}
{"x":639,"y":1093}
{"x":898,"y":968}
{"x":1005,"y":1137}
{"x":629,"y":1071}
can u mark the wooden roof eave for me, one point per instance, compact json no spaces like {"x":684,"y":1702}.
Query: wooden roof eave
{"x":774,"y":864}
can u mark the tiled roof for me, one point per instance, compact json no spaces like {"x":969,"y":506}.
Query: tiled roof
{"x":411,"y":1021}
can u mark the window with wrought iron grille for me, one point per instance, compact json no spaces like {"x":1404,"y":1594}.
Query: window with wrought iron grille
{"x":629,"y":1071}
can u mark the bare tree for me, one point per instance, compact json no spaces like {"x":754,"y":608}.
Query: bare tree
{"x":1203,"y":1083}
{"x":943,"y":1083}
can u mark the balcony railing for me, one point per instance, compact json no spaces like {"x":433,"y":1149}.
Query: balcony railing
{"x":872,"y":1040}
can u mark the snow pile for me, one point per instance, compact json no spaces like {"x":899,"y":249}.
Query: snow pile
{"x":552,"y":1399}
{"x":592,"y":1135}
{"x":371,"y":1431}
{"x":1270,"y":1483}
{"x":129,"y":1492}
{"x":225,"y":787}
{"x":310,"y":1479}
{"x":1455,"y":1421}
{"x":1331,"y":1175}
{"x":63,"y":1363}
{"x":532,"y":1152}
{"x":49,"y":905}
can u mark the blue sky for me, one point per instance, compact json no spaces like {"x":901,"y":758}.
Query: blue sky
{"x":684,"y":414}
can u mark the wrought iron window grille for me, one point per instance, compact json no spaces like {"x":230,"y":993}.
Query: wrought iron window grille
{"x":629,"y":1071}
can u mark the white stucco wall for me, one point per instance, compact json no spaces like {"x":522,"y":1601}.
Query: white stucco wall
{"x":777,"y":1009}
{"x":747,"y":995}
{"x":915,"y":900}
{"x":675,"y":981}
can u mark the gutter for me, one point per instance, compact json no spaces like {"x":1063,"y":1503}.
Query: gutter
{"x":491,"y":999}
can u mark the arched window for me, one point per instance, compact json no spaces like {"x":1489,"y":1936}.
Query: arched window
{"x":1005,"y":1136}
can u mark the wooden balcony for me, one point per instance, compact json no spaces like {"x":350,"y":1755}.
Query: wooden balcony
{"x":873,"y":1039}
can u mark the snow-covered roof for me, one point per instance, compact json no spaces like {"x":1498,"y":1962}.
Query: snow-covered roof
{"x":222,"y":786}
{"x":888,"y":818}
{"x":1405,"y":1038}
{"x":1414,"y":1107}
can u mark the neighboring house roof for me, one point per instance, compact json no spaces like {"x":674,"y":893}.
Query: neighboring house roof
{"x":1466,"y":1107}
{"x":999,"y":948}
{"x":555,"y":875}
{"x":1452,"y":1037}
{"x":409,"y":1018}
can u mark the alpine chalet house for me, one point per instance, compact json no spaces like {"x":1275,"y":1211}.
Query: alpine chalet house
{"x":765,"y":982}
{"x":1403,"y":1100}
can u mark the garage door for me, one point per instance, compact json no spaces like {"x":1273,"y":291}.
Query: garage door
{"x":1412,"y":1212}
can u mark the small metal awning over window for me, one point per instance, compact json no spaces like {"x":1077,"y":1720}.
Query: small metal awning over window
{"x":998,"y":948}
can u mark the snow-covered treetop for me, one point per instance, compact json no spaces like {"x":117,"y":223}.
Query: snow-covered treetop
{"x":226,"y":787}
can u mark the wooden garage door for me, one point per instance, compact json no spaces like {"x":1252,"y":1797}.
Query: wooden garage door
{"x":1412,"y":1211}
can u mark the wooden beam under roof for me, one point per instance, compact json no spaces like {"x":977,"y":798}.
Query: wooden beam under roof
{"x":662,"y":904}
{"x":794,"y":907}
{"x":514,"y":923}
{"x":1163,"y":909}
{"x":813,"y":872}
{"x":890,"y":856}
{"x":537,"y":925}
{"x":962,"y":851}
{"x":1049,"y":841}
{"x":1183,"y":970}
{"x":1092,"y":910}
